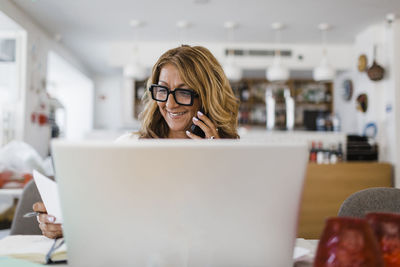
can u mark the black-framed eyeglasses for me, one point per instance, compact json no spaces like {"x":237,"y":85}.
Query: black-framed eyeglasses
{"x":183,"y":97}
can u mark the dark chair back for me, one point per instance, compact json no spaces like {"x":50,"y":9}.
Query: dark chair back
{"x":21,"y":225}
{"x":377,"y":199}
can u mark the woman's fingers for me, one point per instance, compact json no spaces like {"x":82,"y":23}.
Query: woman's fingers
{"x":192,"y":135}
{"x":52,"y":235}
{"x":206,"y":125}
{"x":46,"y":222}
{"x":45,"y":218}
{"x":50,"y":227}
{"x":51,"y":230}
{"x":39,"y":207}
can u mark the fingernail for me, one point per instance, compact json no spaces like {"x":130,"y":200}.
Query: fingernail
{"x":187,"y":132}
{"x":195,"y":119}
{"x":51,"y":219}
{"x":200,"y":113}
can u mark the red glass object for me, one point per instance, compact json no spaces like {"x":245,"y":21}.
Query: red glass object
{"x":348,"y":242}
{"x":27,"y":177}
{"x":386,"y":227}
{"x":42,"y":119}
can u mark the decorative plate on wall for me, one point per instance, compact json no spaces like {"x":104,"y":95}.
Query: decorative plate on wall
{"x":362,"y":102}
{"x":362,"y":63}
{"x":370,"y":130}
{"x":347,"y":89}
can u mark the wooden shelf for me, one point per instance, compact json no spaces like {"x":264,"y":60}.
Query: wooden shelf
{"x":251,"y":92}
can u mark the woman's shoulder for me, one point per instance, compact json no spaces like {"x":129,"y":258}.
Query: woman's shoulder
{"x":131,"y":136}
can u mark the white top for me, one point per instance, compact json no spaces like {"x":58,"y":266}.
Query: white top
{"x":131,"y":136}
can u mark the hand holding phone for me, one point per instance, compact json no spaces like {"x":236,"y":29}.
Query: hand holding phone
{"x":196,"y":129}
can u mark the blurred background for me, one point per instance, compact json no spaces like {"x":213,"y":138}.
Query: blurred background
{"x":322,"y":71}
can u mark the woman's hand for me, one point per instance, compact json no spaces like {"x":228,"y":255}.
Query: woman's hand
{"x":206,"y":125}
{"x":46,"y":222}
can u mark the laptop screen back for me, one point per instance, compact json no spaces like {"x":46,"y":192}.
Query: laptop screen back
{"x":186,"y":203}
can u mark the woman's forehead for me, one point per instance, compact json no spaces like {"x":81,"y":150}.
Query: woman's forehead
{"x":171,"y":75}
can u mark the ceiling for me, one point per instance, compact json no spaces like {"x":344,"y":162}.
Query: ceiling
{"x":87,"y":27}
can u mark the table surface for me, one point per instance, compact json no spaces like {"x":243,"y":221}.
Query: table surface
{"x":306,"y":245}
{"x":16,"y":193}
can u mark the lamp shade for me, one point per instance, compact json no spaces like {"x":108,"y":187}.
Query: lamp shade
{"x":324,"y":72}
{"x":277,"y":72}
{"x":232,"y":71}
{"x":135,"y":71}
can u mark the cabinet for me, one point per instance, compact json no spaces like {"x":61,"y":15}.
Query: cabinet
{"x":311,"y":99}
{"x":326,"y":186}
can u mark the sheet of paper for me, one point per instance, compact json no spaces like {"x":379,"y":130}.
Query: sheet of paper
{"x":25,"y":244}
{"x":300,"y":252}
{"x":31,"y":247}
{"x":10,"y":262}
{"x":49,"y":192}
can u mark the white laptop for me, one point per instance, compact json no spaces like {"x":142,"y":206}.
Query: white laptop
{"x":179,"y":203}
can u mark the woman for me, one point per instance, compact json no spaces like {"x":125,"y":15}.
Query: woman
{"x":187,"y":86}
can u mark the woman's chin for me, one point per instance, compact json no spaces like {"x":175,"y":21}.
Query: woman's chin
{"x":178,"y":128}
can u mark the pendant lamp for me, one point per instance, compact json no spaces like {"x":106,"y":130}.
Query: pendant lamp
{"x":324,"y":72}
{"x":232,"y":71}
{"x":277,"y":72}
{"x":134,"y":69}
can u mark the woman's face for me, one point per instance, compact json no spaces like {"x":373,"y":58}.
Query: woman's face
{"x":178,"y":117}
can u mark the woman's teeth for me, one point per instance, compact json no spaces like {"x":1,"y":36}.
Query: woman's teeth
{"x":175,"y":114}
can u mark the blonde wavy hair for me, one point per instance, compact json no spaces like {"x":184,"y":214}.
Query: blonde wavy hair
{"x":201,"y":71}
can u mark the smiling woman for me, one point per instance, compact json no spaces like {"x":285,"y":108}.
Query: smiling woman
{"x":188,"y":86}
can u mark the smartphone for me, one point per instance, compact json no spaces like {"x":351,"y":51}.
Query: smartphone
{"x":196,"y":129}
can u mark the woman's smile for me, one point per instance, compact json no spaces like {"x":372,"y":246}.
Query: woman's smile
{"x":176,"y":115}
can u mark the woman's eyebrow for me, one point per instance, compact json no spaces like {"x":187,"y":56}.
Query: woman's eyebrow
{"x":180,"y":85}
{"x":161,"y":81}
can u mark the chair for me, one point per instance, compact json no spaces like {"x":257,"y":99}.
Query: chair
{"x":377,"y":199}
{"x":21,"y":225}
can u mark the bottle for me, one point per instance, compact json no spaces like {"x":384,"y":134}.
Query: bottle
{"x":328,"y":96}
{"x":313,"y":152}
{"x":327,"y":154}
{"x":340,"y":153}
{"x":336,"y":122}
{"x":333,"y":155}
{"x":270,"y":108}
{"x":320,"y":122}
{"x":289,"y":102}
{"x":320,"y":154}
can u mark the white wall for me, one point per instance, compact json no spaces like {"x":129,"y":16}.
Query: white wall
{"x":393,"y":98}
{"x":75,"y":91}
{"x":108,"y":102}
{"x":148,"y":52}
{"x":38,"y":43}
{"x":383,"y":96}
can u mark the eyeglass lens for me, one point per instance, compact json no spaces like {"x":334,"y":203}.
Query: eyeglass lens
{"x":181,"y":96}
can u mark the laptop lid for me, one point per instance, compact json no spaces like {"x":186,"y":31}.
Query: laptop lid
{"x":179,"y":203}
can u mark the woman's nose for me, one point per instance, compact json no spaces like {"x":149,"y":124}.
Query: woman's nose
{"x":171,"y":102}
